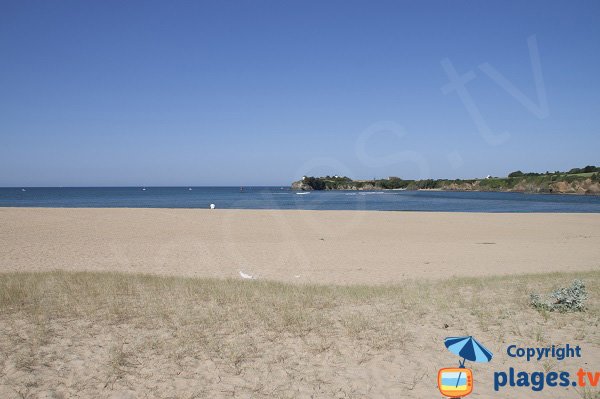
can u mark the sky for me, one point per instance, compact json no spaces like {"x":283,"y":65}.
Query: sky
{"x":141,"y":93}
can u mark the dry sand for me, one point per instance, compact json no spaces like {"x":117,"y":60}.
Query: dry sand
{"x":340,"y":247}
{"x":127,"y":335}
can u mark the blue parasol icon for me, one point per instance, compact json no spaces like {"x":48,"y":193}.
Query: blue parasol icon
{"x":469,"y":349}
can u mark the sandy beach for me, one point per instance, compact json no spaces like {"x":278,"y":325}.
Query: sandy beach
{"x":340,"y":247}
{"x":345,"y":304}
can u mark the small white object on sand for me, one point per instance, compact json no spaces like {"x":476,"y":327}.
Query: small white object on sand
{"x":246,"y":276}
{"x":212,"y":206}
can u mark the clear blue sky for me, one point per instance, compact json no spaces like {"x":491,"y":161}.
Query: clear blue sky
{"x":261,"y":92}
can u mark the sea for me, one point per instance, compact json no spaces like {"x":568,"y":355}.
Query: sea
{"x":285,"y":198}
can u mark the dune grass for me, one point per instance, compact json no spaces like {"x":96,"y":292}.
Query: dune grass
{"x":90,"y":333}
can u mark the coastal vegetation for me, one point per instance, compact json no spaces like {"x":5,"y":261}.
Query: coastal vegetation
{"x":87,"y":334}
{"x":564,"y":299}
{"x":584,"y":180}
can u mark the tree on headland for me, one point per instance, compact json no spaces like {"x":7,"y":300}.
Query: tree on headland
{"x":314,"y":183}
{"x":587,"y":169}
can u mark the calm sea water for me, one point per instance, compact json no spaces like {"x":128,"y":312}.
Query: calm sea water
{"x":284,"y":198}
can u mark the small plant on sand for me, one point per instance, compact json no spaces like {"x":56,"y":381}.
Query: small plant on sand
{"x":566,"y":299}
{"x":587,"y":393}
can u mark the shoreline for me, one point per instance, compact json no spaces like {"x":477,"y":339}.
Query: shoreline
{"x":453,"y":191}
{"x":406,"y":211}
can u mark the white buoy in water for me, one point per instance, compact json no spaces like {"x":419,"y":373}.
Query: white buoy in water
{"x":212,"y":206}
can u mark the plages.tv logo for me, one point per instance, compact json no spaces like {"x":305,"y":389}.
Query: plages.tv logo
{"x":457,"y":382}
